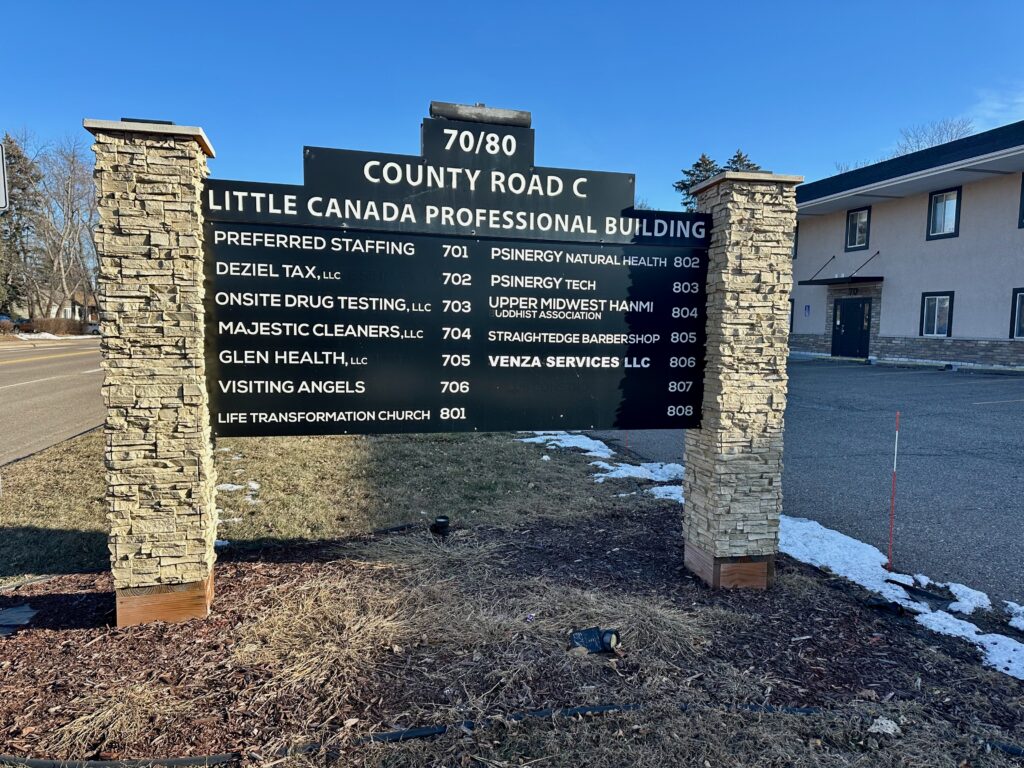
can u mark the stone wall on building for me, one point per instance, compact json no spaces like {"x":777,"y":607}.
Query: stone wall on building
{"x":817,"y":343}
{"x":981,"y":352}
{"x":733,"y":476}
{"x":160,"y":475}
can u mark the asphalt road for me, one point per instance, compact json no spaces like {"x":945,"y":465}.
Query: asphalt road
{"x":49,"y":391}
{"x":960,"y":489}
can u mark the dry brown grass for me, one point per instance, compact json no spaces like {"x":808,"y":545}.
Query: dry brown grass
{"x":328,"y":637}
{"x":325,"y":488}
{"x":443,"y":630}
{"x":799,"y":583}
{"x":473,"y":569}
{"x":113,"y":718}
{"x":450,"y":634}
{"x":52,"y":514}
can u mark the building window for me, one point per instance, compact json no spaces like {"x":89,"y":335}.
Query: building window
{"x":1020,"y":217}
{"x":792,"y":308}
{"x":944,"y":213}
{"x":796,"y":239}
{"x":858,"y":225}
{"x":937,"y":314}
{"x":1017,"y":314}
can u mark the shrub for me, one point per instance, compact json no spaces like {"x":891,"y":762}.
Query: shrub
{"x":57,"y":325}
{"x":6,"y":326}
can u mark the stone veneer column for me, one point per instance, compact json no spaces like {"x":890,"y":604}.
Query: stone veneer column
{"x":733,"y":477}
{"x":160,"y":475}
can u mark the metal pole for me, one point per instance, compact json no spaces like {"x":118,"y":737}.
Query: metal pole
{"x":892,"y":498}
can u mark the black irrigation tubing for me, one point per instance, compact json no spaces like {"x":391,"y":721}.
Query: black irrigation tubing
{"x":423,"y":732}
{"x":171,"y":762}
{"x":396,"y":528}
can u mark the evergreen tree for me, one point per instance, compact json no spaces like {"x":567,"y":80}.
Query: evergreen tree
{"x":18,"y":222}
{"x":702,"y":170}
{"x":740,"y":162}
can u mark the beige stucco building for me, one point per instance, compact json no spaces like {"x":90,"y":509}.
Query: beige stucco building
{"x":920,"y":257}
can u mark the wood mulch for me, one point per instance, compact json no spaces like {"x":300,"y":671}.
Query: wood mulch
{"x":811,"y":638}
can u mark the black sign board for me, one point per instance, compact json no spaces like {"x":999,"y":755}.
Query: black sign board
{"x":465,"y":289}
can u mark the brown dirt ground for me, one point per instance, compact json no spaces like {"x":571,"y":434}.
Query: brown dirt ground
{"x":327,"y":641}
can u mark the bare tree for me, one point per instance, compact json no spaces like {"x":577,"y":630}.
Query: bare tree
{"x":842,"y":166}
{"x":918,"y":137}
{"x":66,"y":254}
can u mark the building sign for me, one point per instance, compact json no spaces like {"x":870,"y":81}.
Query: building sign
{"x":465,"y":289}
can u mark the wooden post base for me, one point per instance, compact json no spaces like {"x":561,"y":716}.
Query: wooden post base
{"x":164,"y":602}
{"x":753,"y":572}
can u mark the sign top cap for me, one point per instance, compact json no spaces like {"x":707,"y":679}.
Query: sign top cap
{"x":480,"y":113}
{"x":149,"y":126}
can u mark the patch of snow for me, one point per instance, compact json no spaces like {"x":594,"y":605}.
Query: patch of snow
{"x":253,"y":485}
{"x":655,"y":471}
{"x":221,"y":543}
{"x":631,"y":493}
{"x":223,"y":450}
{"x":794,"y":355}
{"x":967,"y":600}
{"x":545,"y":457}
{"x":671,"y":492}
{"x":1016,"y":613}
{"x":813,"y":543}
{"x":226,"y":520}
{"x":1002,"y":652}
{"x":588,"y":445}
{"x":810,"y":542}
{"x":229,"y":487}
{"x":46,"y":336}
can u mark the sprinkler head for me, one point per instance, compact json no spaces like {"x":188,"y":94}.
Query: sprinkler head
{"x":440,"y":526}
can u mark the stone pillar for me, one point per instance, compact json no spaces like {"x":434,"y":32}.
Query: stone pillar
{"x":733,"y":478}
{"x":159,"y":459}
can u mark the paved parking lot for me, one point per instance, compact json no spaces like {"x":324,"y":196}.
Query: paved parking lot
{"x":960,"y":498}
{"x":960,"y":490}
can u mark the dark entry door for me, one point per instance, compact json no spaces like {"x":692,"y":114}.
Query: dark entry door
{"x":851,"y":327}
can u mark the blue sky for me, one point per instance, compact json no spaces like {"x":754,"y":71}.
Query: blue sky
{"x":636,"y":87}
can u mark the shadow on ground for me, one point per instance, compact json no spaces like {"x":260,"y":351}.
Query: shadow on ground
{"x":31,"y":550}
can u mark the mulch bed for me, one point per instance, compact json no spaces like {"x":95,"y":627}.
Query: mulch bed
{"x":811,"y":638}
